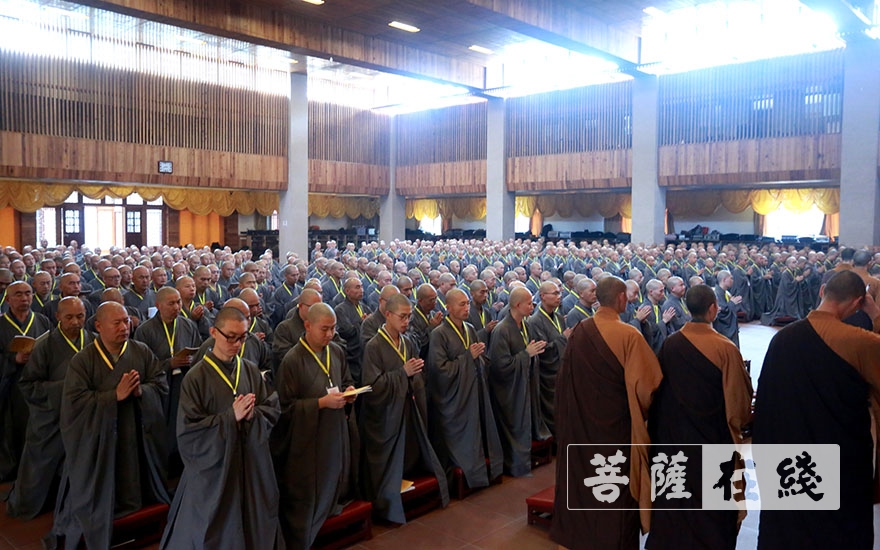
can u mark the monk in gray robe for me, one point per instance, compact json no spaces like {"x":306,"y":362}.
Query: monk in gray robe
{"x":113,"y":429}
{"x":140,"y":296}
{"x":41,"y":383}
{"x":18,"y":320}
{"x":482,"y":317}
{"x":394,"y":415}
{"x":425,"y":319}
{"x":583,"y":308}
{"x":375,"y":320}
{"x":547,"y":324}
{"x":314,"y":444}
{"x":228,"y":496}
{"x":514,"y":384}
{"x":463,"y":424}
{"x":253,"y":349}
{"x":289,"y":331}
{"x":166,"y":333}
{"x":351,"y":313}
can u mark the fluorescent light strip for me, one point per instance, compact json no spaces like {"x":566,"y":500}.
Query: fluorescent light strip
{"x":403,"y":26}
{"x":654,"y":12}
{"x":481,"y":49}
{"x":191,"y":40}
{"x":315,"y":2}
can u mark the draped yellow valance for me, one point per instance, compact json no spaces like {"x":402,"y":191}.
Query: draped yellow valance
{"x":763,"y":201}
{"x":30,"y":197}
{"x":334,"y":206}
{"x":584,"y":205}
{"x":607,"y":205}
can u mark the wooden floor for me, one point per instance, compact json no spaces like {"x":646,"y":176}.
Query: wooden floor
{"x":493,"y":518}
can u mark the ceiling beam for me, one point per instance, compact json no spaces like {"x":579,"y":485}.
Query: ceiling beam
{"x":260,"y":24}
{"x":560,"y":23}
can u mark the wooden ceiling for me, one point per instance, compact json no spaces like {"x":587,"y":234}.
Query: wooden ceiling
{"x":357,"y":31}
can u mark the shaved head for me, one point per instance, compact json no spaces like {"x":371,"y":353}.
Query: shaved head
{"x":319,"y":312}
{"x":609,"y":289}
{"x":238,"y":305}
{"x":455,"y":294}
{"x":519,"y":295}
{"x":108,"y":309}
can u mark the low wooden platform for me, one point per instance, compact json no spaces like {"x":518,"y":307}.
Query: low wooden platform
{"x":542,"y":452}
{"x":460,"y":487}
{"x":424,"y":497}
{"x":354,"y":524}
{"x":540,"y":507}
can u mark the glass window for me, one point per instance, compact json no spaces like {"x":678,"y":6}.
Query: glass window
{"x":134,"y":199}
{"x":133,"y":221}
{"x":73,"y":198}
{"x":72,"y":221}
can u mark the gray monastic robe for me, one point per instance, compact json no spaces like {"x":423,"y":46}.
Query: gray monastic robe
{"x":115,"y":450}
{"x":348,"y":326}
{"x":462,"y":422}
{"x":253,"y":349}
{"x":227,"y":497}
{"x":543,"y":328}
{"x":41,"y":383}
{"x":514,"y":389}
{"x":186,"y":335}
{"x":141,"y":302}
{"x":287,"y":334}
{"x":393,"y":426}
{"x":13,"y":407}
{"x":315,"y":450}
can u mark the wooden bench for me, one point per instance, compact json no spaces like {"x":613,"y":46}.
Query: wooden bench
{"x":354,"y":524}
{"x":422,"y":498}
{"x":542,"y":452}
{"x":136,"y":530}
{"x":140,"y":528}
{"x":460,"y":487}
{"x":540,"y":507}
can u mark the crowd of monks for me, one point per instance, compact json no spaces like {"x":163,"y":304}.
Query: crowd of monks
{"x":243,"y":378}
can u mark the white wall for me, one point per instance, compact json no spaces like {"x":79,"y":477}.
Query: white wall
{"x":722,"y":220}
{"x":246,"y":223}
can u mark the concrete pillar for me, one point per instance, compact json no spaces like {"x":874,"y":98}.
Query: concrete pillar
{"x":648,"y":199}
{"x":392,"y":210}
{"x":293,"y":208}
{"x":500,"y":203}
{"x":859,"y":195}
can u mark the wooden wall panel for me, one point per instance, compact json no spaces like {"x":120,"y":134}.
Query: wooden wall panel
{"x":575,"y":171}
{"x":800,"y":158}
{"x":442,"y":178}
{"x":441,"y":136}
{"x":347,"y":178}
{"x":34,"y":156}
{"x":27,"y":223}
{"x":172,"y":226}
{"x":231,"y":237}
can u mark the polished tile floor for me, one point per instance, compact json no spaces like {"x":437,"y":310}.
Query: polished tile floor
{"x":492,"y":518}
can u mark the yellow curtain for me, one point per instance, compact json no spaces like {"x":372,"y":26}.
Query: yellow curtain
{"x":29,"y":197}
{"x":626,"y":225}
{"x":571,"y":205}
{"x":763,"y":201}
{"x":335,"y":206}
{"x":422,"y":209}
{"x":832,"y":224}
{"x":525,"y":206}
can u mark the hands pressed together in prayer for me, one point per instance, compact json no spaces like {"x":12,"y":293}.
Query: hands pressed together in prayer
{"x":536,"y":347}
{"x":436,"y":319}
{"x":643,"y":312}
{"x":668,"y":314}
{"x":244,"y":407}
{"x":477,"y":349}
{"x":414,"y":366}
{"x":491,"y":324}
{"x":130,"y":384}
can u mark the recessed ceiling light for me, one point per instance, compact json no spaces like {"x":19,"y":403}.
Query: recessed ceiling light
{"x":481,"y":49}
{"x":403,"y":26}
{"x":654,"y":12}
{"x":315,"y":2}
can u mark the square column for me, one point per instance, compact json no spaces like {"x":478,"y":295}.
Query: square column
{"x":293,"y":207}
{"x":648,"y":198}
{"x":500,"y":203}
{"x":860,"y":132}
{"x":392,"y":208}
